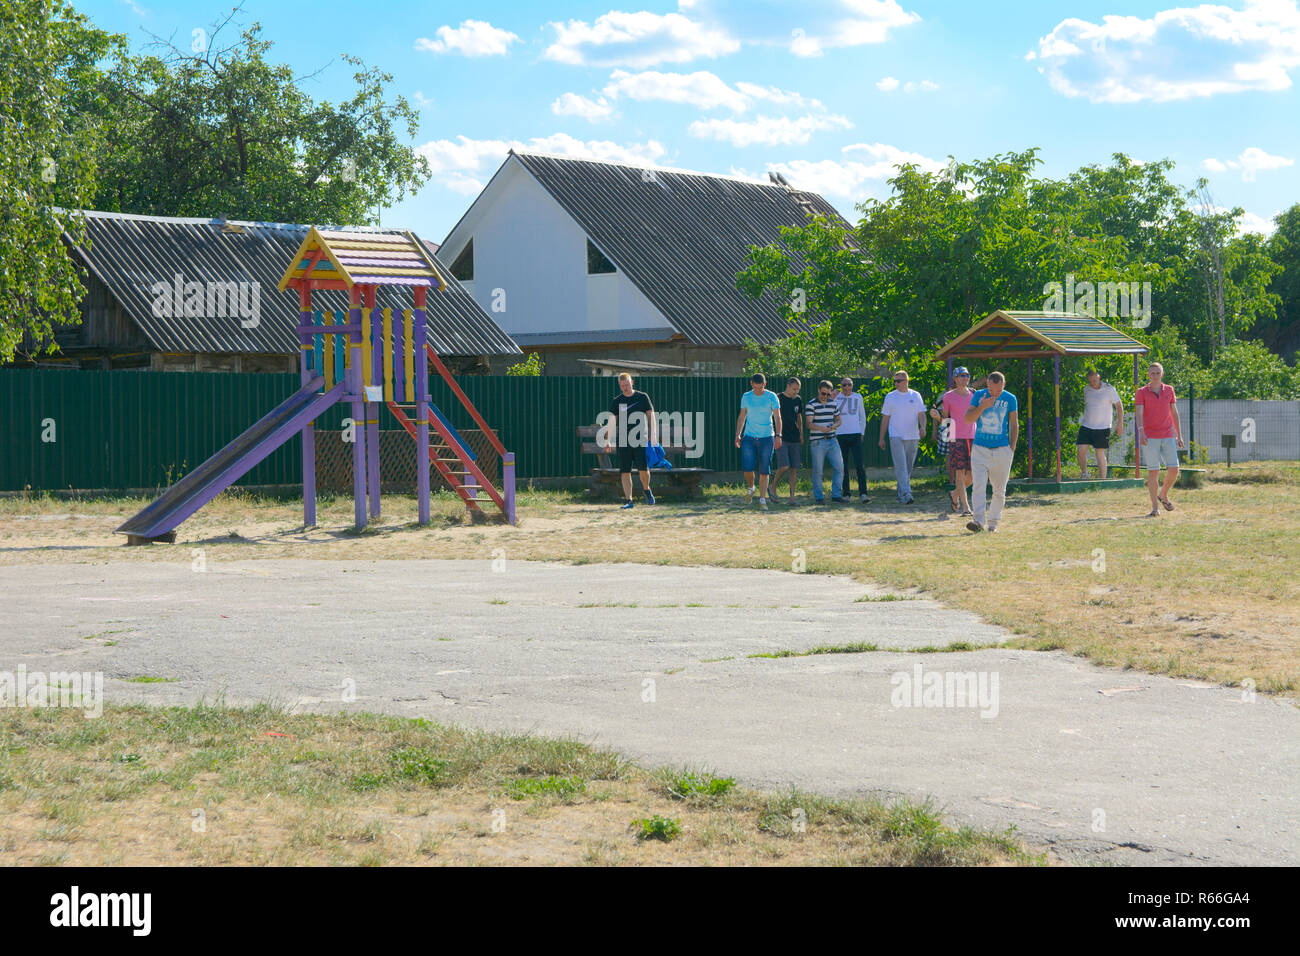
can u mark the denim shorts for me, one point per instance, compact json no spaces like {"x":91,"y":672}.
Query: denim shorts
{"x":1159,"y":453}
{"x":788,"y":455}
{"x":756,"y":454}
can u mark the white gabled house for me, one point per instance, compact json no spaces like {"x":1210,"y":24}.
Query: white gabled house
{"x":597,"y":266}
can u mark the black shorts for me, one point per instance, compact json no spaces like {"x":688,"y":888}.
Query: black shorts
{"x":629,"y":458}
{"x":1094,"y":437}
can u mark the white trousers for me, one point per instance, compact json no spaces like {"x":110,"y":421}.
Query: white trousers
{"x":989,"y":465}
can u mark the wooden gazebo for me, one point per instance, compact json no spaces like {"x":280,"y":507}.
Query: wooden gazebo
{"x":1044,"y":335}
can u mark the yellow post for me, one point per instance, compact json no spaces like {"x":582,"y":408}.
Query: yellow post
{"x":410,"y":346}
{"x":366,"y":364}
{"x":388,"y":355}
{"x":327,"y":318}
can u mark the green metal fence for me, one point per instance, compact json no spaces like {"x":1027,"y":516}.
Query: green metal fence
{"x":126,"y":429}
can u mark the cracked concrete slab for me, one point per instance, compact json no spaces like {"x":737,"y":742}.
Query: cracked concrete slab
{"x":1105,"y":765}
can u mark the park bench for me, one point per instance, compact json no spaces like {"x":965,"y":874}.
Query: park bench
{"x":677,"y":480}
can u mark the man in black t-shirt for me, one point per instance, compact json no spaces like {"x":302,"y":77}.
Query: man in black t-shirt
{"x":633,"y":429}
{"x":789,"y":456}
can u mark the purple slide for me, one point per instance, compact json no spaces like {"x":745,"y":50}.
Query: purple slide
{"x":230,"y":464}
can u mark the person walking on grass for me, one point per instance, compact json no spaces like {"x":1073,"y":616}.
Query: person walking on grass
{"x":789,"y":456}
{"x":950,"y":424}
{"x":993,"y":412}
{"x":902,"y":419}
{"x":823,"y":420}
{"x":1100,"y":402}
{"x":1160,"y":432}
{"x":633,"y":429}
{"x":853,"y":426}
{"x":758,"y":430}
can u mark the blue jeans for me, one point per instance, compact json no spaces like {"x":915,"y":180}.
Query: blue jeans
{"x":756,"y":454}
{"x":823,"y":448}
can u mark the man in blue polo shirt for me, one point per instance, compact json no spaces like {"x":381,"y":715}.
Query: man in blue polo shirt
{"x":993,"y":411}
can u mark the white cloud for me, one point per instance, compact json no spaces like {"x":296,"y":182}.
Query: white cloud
{"x":767,"y":130}
{"x":593,"y":111}
{"x":1251,"y":161}
{"x":1249,"y":222}
{"x":702,"y":89}
{"x":637,"y":40}
{"x":471,"y":38}
{"x":850,"y":178}
{"x":422,"y":101}
{"x":808,"y":28}
{"x":1177,"y":54}
{"x":458,"y":164}
{"x":887,"y":84}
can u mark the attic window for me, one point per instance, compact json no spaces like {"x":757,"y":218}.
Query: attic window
{"x":463,"y":267}
{"x":597,"y":263}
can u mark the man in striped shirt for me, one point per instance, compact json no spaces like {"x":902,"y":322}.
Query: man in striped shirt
{"x":823,"y":420}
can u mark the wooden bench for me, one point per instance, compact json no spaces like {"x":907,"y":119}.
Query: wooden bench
{"x":671,"y":481}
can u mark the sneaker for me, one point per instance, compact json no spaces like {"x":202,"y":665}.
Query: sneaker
{"x":627,"y":504}
{"x":863,"y":498}
{"x":909,"y":500}
{"x":649,"y":498}
{"x":762,"y":503}
{"x":840,"y":501}
{"x":974,"y":525}
{"x":991,"y":529}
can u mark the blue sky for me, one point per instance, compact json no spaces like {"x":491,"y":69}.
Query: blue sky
{"x":831,"y":93}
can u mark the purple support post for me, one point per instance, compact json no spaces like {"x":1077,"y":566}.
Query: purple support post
{"x":306,"y":340}
{"x":508,"y":485}
{"x":1056,"y":379}
{"x":1029,"y":414}
{"x":1137,"y":445}
{"x":418,"y":339}
{"x":372,"y":408}
{"x":358,"y":410}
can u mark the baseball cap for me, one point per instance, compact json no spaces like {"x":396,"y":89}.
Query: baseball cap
{"x":960,"y":370}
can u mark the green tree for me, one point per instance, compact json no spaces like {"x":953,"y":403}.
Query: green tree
{"x":1247,"y":369}
{"x":811,"y":353}
{"x":47,"y":162}
{"x":1282,"y":334}
{"x":218,"y":129}
{"x":531,"y":366}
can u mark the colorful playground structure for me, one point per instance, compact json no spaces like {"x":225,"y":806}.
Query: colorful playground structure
{"x":366,"y":356}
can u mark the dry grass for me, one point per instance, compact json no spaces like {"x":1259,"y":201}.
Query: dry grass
{"x":257,"y":786}
{"x":1209,"y":591}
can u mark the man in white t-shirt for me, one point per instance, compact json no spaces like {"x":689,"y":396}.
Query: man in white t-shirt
{"x":902,"y":418}
{"x":849,"y":434}
{"x":1100,"y":400}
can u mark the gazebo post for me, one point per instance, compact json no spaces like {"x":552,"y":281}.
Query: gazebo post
{"x":1056,"y":378}
{"x":305,"y":338}
{"x":1029,"y":414}
{"x":1137,"y":445}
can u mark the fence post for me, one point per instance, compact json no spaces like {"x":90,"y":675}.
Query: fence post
{"x":1191,"y":419}
{"x":508,"y":484}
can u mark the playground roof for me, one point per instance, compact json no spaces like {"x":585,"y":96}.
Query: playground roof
{"x":1007,"y":334}
{"x":372,"y":258}
{"x":131,"y":254}
{"x":679,"y":236}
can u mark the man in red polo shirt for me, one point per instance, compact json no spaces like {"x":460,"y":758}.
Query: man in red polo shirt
{"x":1161,"y":433}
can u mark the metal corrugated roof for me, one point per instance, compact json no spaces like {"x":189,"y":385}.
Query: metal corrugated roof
{"x":1024,"y":333}
{"x":131,"y":254}
{"x":681,"y":237}
{"x":600,"y":336}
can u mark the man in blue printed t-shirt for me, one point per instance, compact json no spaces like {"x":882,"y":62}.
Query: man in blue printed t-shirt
{"x":758,"y":431}
{"x":993,"y":410}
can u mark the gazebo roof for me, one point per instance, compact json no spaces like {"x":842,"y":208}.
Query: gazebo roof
{"x":342,"y":259}
{"x":1031,"y":334}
